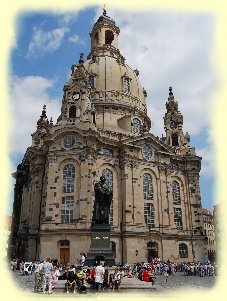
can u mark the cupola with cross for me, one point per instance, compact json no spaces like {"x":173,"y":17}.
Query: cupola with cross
{"x":104,"y":36}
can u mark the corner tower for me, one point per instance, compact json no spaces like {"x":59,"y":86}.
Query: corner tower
{"x":173,"y":122}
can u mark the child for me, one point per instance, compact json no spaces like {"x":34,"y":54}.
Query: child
{"x":116,"y":280}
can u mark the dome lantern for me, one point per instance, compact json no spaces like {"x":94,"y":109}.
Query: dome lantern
{"x":104,"y":33}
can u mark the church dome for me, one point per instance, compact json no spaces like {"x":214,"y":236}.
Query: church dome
{"x":114,"y":88}
{"x":112,"y":76}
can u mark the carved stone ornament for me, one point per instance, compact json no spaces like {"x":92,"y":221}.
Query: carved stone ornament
{"x":82,"y":158}
{"x":51,"y":159}
{"x":161,"y":168}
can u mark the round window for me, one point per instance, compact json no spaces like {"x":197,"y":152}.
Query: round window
{"x":69,"y":142}
{"x":147,"y":152}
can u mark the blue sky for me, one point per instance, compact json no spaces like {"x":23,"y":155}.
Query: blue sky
{"x":168,"y":49}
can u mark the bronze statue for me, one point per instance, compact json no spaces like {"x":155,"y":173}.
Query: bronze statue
{"x":103,"y":198}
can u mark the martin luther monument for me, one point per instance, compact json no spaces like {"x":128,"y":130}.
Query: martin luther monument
{"x":100,"y":248}
{"x":103,"y":198}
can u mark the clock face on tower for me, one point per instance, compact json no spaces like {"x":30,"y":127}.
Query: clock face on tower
{"x":173,"y":125}
{"x":76,"y":95}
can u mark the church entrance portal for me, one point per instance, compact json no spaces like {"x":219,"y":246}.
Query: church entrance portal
{"x":64,"y":255}
{"x":152,"y":248}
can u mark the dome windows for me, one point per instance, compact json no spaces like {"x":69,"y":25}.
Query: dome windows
{"x":126,"y":84}
{"x":136,"y":126}
{"x":91,"y":81}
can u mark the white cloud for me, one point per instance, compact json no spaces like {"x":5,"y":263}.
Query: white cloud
{"x":43,"y":42}
{"x":209,"y":167}
{"x":68,"y":18}
{"x":28,"y":95}
{"x":170,"y":49}
{"x":75,"y":39}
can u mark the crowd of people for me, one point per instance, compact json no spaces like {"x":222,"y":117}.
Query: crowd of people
{"x":79,"y":279}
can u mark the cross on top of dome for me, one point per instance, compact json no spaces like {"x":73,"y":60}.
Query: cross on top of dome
{"x":170,"y":91}
{"x":104,"y":10}
{"x":105,"y":18}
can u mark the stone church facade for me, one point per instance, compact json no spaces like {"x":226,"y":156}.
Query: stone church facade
{"x":104,"y":129}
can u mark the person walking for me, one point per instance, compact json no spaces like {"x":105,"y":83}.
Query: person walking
{"x":47,"y":277}
{"x":165,"y":272}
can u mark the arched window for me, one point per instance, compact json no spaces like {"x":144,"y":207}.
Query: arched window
{"x":175,"y":140}
{"x":107,"y":173}
{"x":68,"y":178}
{"x":126,"y":84}
{"x":148,"y":193}
{"x":176,"y":193}
{"x":109,"y":37}
{"x":72,"y":112}
{"x":96,"y":39}
{"x":149,"y":214}
{"x":136,"y":125}
{"x":183,"y":251}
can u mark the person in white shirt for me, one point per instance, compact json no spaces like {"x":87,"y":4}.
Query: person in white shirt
{"x":99,"y":275}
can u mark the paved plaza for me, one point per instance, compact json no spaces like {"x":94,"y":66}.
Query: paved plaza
{"x":174,"y":283}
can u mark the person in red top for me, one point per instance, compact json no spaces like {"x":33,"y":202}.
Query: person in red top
{"x":91,"y":278}
{"x":145,"y":275}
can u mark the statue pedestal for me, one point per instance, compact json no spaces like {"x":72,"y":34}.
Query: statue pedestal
{"x":100,"y":245}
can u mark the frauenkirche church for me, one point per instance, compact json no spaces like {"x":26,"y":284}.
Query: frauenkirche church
{"x":104,"y":129}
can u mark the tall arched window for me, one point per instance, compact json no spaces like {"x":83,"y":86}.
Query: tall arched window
{"x":149,"y":214}
{"x":107,"y":173}
{"x":67,"y":209}
{"x":183,"y":250}
{"x":176,"y":193}
{"x":178,"y":218}
{"x":68,"y":178}
{"x":148,"y":193}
